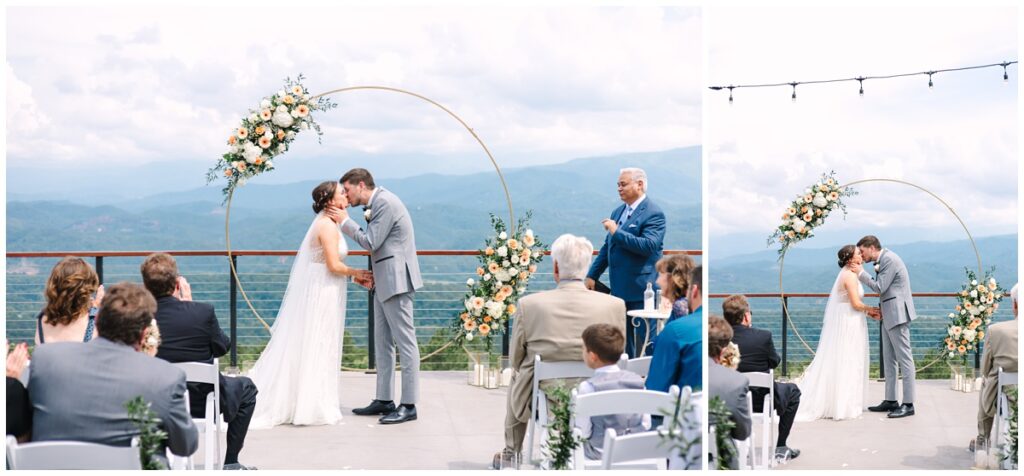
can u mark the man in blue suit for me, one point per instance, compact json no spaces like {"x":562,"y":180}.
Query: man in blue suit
{"x":678,"y":357}
{"x":636,"y":231}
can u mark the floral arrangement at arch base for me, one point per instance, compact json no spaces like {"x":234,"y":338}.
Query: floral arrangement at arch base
{"x":507,"y":262}
{"x":977,"y":300}
{"x":266,"y":132}
{"x":809,"y":211}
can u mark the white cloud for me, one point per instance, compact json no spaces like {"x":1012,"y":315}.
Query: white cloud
{"x":161,"y":83}
{"x":959,"y":141}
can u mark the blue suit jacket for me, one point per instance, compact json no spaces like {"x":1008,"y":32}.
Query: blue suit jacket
{"x":630,"y":253}
{"x":678,"y":356}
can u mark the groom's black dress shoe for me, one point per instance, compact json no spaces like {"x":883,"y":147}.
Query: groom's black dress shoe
{"x":377,"y":407}
{"x":904,"y":410}
{"x":885,"y":406}
{"x":401,"y":415}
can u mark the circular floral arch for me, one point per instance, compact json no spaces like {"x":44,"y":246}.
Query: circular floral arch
{"x":231,"y":166}
{"x":847,"y":190}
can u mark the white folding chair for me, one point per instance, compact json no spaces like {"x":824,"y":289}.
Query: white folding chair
{"x":175,"y":462}
{"x":1001,"y":422}
{"x":621,"y":450}
{"x":744,"y":448}
{"x":612,"y":402}
{"x":539,"y":408}
{"x":640,"y":365}
{"x":712,"y":448}
{"x":72,"y":455}
{"x":209,"y":426}
{"x":766,"y":418}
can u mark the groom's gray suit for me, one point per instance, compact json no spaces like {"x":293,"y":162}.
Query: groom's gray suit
{"x":892,"y":283}
{"x":396,"y":273}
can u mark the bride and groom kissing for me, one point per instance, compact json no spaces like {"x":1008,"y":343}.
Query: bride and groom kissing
{"x":834,"y":386}
{"x":297,"y":372}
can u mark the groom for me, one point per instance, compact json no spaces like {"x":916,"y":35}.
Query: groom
{"x":396,"y":277}
{"x":892,"y":283}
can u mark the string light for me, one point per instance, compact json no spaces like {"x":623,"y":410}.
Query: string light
{"x":861,"y":79}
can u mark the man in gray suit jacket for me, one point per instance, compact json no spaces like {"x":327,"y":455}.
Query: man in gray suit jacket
{"x":892,"y":283}
{"x":727,"y":384}
{"x":396,"y":276}
{"x":78,"y":390}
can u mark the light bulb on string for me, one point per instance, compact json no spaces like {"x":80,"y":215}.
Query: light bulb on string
{"x":1006,"y":76}
{"x":794,"y":91}
{"x":730,"y":94}
{"x":861,"y":81}
{"x":931,"y":85}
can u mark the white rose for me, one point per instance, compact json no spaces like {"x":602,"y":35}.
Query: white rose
{"x":529,"y":232}
{"x":283,"y":119}
{"x":975,"y":311}
{"x":290,"y":135}
{"x":513,"y":271}
{"x":469,"y":336}
{"x":969,"y":334}
{"x":502,"y":251}
{"x":819,"y":201}
{"x":280,"y":148}
{"x":303,"y":125}
{"x":807,"y":191}
{"x":281,"y":93}
{"x":515,"y":259}
{"x":951,"y":315}
{"x":503,"y":235}
{"x":963,"y":311}
{"x":981,"y":308}
{"x":505,"y":264}
{"x":251,"y":152}
{"x":470,"y":282}
{"x":265,"y":104}
{"x":798,"y":225}
{"x":800,"y":200}
{"x":269,"y":164}
{"x":950,"y":330}
{"x":281,"y":108}
{"x":469,"y":307}
{"x":974,"y":282}
{"x":974,"y":293}
{"x":253,"y":118}
{"x":487,"y":277}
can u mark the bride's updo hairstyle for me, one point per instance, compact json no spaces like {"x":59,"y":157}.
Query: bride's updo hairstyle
{"x":846,"y":253}
{"x":322,"y":194}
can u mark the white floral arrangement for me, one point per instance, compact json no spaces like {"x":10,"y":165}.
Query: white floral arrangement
{"x":151,"y":339}
{"x":506,"y":264}
{"x":266,"y":132}
{"x":809,"y":210}
{"x":731,"y":356}
{"x":976,"y":302}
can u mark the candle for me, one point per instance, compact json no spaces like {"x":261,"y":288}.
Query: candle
{"x":492,"y":379}
{"x":478,"y":377}
{"x":506,"y":377}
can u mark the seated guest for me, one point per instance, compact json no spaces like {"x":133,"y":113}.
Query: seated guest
{"x":757,"y":354}
{"x":999,"y":351}
{"x":191,"y":333}
{"x":602,"y":346}
{"x":673,"y":279}
{"x":19,"y":409}
{"x":70,"y":306}
{"x":677,"y":355}
{"x":79,"y":390}
{"x":726,"y":384}
{"x":549,"y":324}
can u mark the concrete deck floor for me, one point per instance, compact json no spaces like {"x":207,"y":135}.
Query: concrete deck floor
{"x":458,"y":427}
{"x":936,"y":437}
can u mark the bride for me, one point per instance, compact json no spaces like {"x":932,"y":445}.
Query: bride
{"x":297,"y":373}
{"x":834,"y":385}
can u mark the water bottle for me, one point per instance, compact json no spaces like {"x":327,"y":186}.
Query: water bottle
{"x":649,"y":298}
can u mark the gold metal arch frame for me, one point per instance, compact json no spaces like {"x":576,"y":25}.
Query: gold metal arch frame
{"x":782,"y":258}
{"x":501,"y":177}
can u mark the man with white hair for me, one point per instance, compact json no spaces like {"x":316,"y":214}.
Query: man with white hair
{"x":551,"y":324}
{"x":1000,"y":351}
{"x":636,"y":232}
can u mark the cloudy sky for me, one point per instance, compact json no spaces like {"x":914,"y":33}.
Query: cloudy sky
{"x":959,"y":140}
{"x":115,"y":88}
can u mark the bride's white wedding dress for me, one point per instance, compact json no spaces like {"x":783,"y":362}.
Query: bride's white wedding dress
{"x":835,"y":383}
{"x":297,"y":373}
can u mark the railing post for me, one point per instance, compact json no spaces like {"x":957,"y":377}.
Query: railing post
{"x":785,"y":329}
{"x":371,"y":346}
{"x":234,"y":311}
{"x":505,"y":339}
{"x":99,"y":268}
{"x":881,"y":350}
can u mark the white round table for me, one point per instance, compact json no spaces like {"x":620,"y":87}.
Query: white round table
{"x":660,"y":315}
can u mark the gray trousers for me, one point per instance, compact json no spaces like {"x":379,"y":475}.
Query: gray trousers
{"x":393,"y":326}
{"x":897,"y":356}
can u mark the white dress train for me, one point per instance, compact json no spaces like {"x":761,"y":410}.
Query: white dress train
{"x":835,"y":384}
{"x":297,"y":373}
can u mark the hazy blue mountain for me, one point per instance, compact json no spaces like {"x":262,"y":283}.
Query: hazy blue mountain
{"x":933,"y":266}
{"x":449,"y":211}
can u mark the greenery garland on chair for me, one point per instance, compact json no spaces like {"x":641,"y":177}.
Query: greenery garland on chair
{"x":561,"y":440}
{"x":721,"y":416}
{"x":151,"y":435}
{"x":681,"y":431}
{"x":1009,"y":449}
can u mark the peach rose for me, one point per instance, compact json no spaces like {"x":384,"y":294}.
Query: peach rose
{"x":266,"y":114}
{"x":228,"y":172}
{"x":264,"y":142}
{"x":523,"y":275}
{"x":280,"y":135}
{"x":232,"y":140}
{"x":288,"y":99}
{"x":464,"y":316}
{"x":469,"y":325}
{"x":528,"y":240}
{"x":493,"y":267}
{"x":488,"y":319}
{"x":511,"y":309}
{"x":485,"y":329}
{"x":489,"y":251}
{"x":513,"y":244}
{"x":242,"y":133}
{"x":506,"y":290}
{"x":962,"y":349}
{"x":302,"y":110}
{"x":479,"y":271}
{"x":258,"y":161}
{"x":533,"y":268}
{"x":297,"y":90}
{"x":260,"y":130}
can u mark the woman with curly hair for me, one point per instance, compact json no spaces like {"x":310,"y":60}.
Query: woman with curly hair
{"x":674,"y":279}
{"x":70,"y":299}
